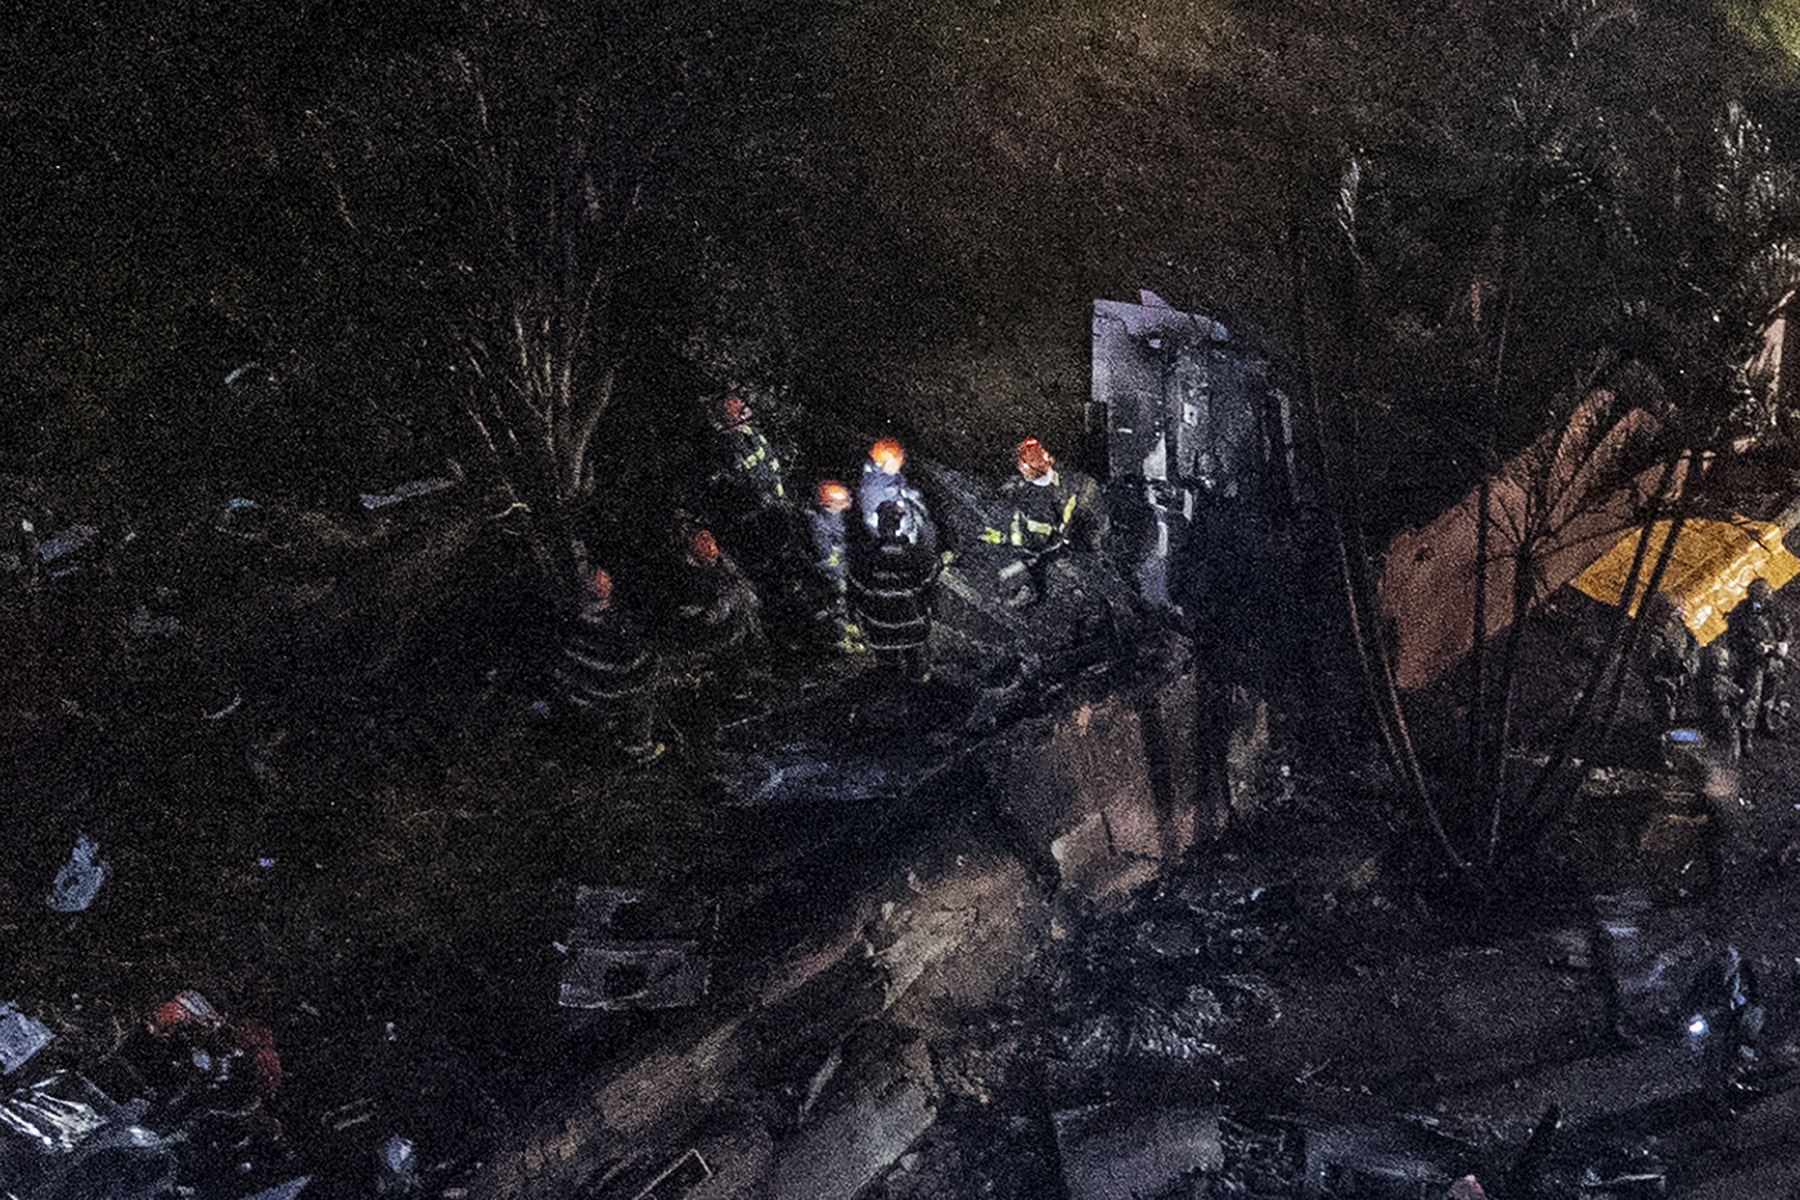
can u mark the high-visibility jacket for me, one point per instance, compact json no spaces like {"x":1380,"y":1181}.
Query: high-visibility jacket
{"x":1040,"y":517}
{"x":1064,"y":508}
{"x":828,"y":533}
{"x":753,"y":460}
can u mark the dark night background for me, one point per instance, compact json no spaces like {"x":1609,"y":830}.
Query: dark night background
{"x":284,"y":252}
{"x":897,"y":211}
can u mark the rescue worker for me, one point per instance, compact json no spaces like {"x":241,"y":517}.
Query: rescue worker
{"x":1051,"y":511}
{"x":751,"y":462}
{"x":883,"y":479}
{"x":716,"y":604}
{"x":1757,"y":635}
{"x":1674,"y":658}
{"x":605,"y":675}
{"x":826,"y":525}
{"x":755,"y":516}
{"x":892,"y":578}
{"x":1724,"y":702}
{"x":1724,"y":1018}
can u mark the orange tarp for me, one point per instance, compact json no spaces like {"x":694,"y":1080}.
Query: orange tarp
{"x":1427,"y":587}
{"x":1557,"y":492}
{"x":1709,"y":570}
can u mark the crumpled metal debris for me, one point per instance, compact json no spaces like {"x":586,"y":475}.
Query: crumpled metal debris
{"x":1375,"y":1161}
{"x":283,"y":1191}
{"x":397,"y":1168}
{"x":78,"y":881}
{"x":1116,"y":1152}
{"x":1160,"y":983}
{"x":63,"y":1138}
{"x":125,"y":1162}
{"x":1263,"y":1158}
{"x":53,"y":1115}
{"x":1621,"y":1180}
{"x":1651,"y":955}
{"x":681,"y":1177}
{"x":411,"y":490}
{"x":21,"y":1037}
{"x":1135,"y":1030}
{"x":631,"y":949}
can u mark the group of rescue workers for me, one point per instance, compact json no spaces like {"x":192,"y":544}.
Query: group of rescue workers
{"x":1735,"y":678}
{"x":869,"y":565}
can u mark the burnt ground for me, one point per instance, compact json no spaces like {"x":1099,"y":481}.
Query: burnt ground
{"x":381,"y":880}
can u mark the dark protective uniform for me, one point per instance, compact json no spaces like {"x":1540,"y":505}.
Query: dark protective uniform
{"x":750,"y":505}
{"x":717,"y":613}
{"x":829,"y":533}
{"x":1756,"y":634}
{"x":751,"y":462}
{"x":605,"y":677}
{"x":1046,"y":517}
{"x":893,"y":575}
{"x":1674,"y":661}
{"x":1724,"y":708}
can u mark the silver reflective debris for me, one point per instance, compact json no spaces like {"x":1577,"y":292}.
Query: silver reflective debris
{"x":371,"y":502}
{"x":1113,"y":1152}
{"x":630,"y":949}
{"x":79,"y":879}
{"x":397,"y":1172}
{"x":55,"y":1115}
{"x":21,"y":1038}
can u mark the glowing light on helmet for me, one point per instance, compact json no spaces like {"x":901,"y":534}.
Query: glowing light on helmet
{"x":888,"y":455}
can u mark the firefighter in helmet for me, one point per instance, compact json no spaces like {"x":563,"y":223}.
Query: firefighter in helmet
{"x":605,"y":674}
{"x":884,"y":479}
{"x":829,"y":536}
{"x":1050,"y":510}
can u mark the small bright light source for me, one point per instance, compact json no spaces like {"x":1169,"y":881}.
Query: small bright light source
{"x":1697,"y":1026}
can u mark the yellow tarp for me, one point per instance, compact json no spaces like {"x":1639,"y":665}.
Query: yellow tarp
{"x":1709,"y":571}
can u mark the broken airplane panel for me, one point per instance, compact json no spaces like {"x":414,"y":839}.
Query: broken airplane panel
{"x":1182,"y":425}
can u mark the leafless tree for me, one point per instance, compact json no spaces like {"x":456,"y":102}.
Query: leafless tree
{"x":559,"y":173}
{"x":540,"y":141}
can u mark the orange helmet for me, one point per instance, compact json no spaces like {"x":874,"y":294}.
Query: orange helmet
{"x":703,"y":548}
{"x":601,"y":587}
{"x":833,"y":496}
{"x":735,"y":409}
{"x":1034,"y":461}
{"x":889,"y":455}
